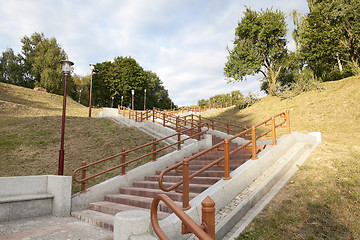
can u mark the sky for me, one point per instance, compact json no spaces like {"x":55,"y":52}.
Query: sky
{"x":184,"y":42}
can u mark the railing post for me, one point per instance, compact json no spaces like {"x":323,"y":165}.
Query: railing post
{"x":118,"y":109}
{"x":185,"y":191}
{"x":154,"y":150}
{"x":177,"y":123}
{"x":226,"y":160}
{"x":273,"y":131}
{"x":227,"y":128}
{"x":213,"y":124}
{"x":287,"y":115}
{"x":141,"y":116}
{"x":208,"y":216}
{"x":179,"y":143}
{"x":129,"y":114}
{"x":164,"y":119}
{"x":199,"y":131}
{"x":83,"y":175}
{"x":153,"y":115}
{"x":124,"y":112}
{"x":136,"y":118}
{"x":123,"y":161}
{"x":253,"y":143}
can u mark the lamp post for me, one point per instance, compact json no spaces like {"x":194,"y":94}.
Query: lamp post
{"x":66,"y":69}
{"x":92,"y":66}
{"x":132,"y":99}
{"x":122,"y":98}
{"x":144,"y":99}
{"x":112,"y":101}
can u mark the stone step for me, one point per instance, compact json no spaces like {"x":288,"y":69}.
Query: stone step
{"x":137,"y":201}
{"x":194,"y":188}
{"x":113,"y":208}
{"x":197,"y":180}
{"x":219,"y":174}
{"x":95,"y":218}
{"x":151,"y":193}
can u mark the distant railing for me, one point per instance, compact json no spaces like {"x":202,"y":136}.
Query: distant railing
{"x":206,"y":231}
{"x":84,"y":168}
{"x":165,"y":118}
{"x":284,"y":120}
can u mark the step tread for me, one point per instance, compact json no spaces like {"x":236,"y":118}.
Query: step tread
{"x":113,"y":208}
{"x":96,"y":218}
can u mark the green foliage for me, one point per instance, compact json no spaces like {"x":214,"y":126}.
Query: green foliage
{"x":259,"y":47}
{"x":116,"y":80}
{"x":12,"y":69}
{"x":42,"y":57}
{"x":229,"y":99}
{"x":330,"y":40}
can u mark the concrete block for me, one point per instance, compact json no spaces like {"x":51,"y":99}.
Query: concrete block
{"x":139,"y":173}
{"x":60,"y":187}
{"x":22,"y":185}
{"x":131,"y":223}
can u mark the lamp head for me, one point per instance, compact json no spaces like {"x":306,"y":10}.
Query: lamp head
{"x":66,"y":66}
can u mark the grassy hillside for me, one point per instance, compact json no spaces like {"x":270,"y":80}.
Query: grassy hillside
{"x":322,"y":200}
{"x":30,"y":128}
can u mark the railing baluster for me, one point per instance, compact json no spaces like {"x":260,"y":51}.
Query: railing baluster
{"x":273,"y":131}
{"x":253,"y":143}
{"x":83,"y":175}
{"x":154,"y":150}
{"x":123,"y":160}
{"x":226,"y":160}
{"x":185,"y":190}
{"x":179,"y":141}
{"x":208,"y":216}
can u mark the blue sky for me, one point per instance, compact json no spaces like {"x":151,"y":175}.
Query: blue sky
{"x":183,"y":41}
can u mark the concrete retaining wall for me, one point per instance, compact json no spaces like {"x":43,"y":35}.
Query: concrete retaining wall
{"x":30,"y":196}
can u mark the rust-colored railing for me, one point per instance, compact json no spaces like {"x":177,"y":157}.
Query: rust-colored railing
{"x":206,"y":231}
{"x":224,"y":145}
{"x":166,"y":117}
{"x":84,"y":168}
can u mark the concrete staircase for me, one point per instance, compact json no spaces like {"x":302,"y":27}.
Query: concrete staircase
{"x":141,"y":194}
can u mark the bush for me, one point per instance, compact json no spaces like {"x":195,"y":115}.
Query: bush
{"x":305,"y":82}
{"x":247,"y":101}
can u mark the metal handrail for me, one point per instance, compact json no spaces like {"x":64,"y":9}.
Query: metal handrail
{"x":124,"y":153}
{"x":185,"y":163}
{"x":206,"y":231}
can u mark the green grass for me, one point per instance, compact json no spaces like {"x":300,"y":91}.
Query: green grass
{"x":30,"y":128}
{"x":322,"y":200}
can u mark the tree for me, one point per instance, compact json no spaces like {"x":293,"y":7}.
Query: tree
{"x":116,"y":80}
{"x":330,"y":41}
{"x":259,"y":47}
{"x":12,"y":69}
{"x":42,"y":57}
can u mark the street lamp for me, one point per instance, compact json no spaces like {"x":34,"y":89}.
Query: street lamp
{"x":66,"y":69}
{"x":92,"y":66}
{"x":144,"y":99}
{"x":112,"y":101}
{"x":132,"y":99}
{"x":122,"y":98}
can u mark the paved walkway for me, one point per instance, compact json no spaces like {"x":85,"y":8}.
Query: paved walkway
{"x":50,"y":227}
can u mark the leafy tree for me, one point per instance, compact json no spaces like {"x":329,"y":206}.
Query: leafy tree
{"x":116,"y":80}
{"x":12,"y":69}
{"x":259,"y":47}
{"x":42,"y":57}
{"x":330,"y":41}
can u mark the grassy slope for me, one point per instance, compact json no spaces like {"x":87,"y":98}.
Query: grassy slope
{"x":322,"y":200}
{"x":30,"y":125}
